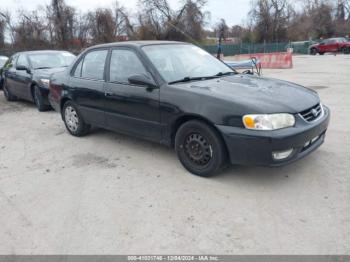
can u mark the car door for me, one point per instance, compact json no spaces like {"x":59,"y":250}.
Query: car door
{"x":10,"y":74}
{"x":87,"y":85}
{"x":130,"y":108}
{"x":332,"y":46}
{"x":23,"y":78}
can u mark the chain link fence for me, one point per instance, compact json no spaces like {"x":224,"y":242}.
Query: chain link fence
{"x":301,"y":47}
{"x":251,"y":48}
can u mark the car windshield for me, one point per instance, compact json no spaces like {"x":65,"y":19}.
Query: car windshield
{"x":51,"y":60}
{"x":3,"y":60}
{"x":181,"y":62}
{"x":341,"y":39}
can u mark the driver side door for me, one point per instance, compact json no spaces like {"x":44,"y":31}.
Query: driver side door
{"x":130,"y":108}
{"x":22,"y":78}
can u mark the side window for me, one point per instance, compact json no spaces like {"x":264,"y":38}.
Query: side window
{"x":94,"y":64}
{"x":125,"y":63}
{"x":10,"y":62}
{"x":22,"y":61}
{"x":77,"y":72}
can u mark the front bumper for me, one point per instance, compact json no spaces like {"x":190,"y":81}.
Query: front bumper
{"x":251,"y":147}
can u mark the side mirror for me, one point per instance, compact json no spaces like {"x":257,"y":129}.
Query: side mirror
{"x":21,"y":67}
{"x":142,"y":80}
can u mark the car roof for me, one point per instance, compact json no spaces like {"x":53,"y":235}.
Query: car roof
{"x":138,"y":43}
{"x":42,"y":52}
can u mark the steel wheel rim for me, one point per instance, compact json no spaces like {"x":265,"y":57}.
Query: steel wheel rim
{"x":72,"y":119}
{"x":198,"y":149}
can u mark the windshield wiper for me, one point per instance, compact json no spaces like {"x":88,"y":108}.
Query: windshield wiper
{"x":44,"y":67}
{"x":225,"y":73}
{"x":189,"y":79}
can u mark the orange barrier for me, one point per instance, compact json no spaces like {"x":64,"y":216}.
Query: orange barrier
{"x":270,"y":60}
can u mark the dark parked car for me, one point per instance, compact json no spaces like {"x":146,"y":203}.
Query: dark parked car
{"x":3,"y":60}
{"x":181,"y":96}
{"x":332,"y":45}
{"x":27,"y":74}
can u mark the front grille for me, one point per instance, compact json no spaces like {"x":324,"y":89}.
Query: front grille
{"x":312,"y":113}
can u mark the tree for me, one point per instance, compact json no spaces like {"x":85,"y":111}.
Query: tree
{"x":271,"y":18}
{"x":62,"y":19}
{"x":193,"y":19}
{"x":30,"y":32}
{"x":221,"y":30}
{"x":122,"y":21}
{"x":2,"y":32}
{"x":7,"y":18}
{"x":161,"y":22}
{"x":102,"y":26}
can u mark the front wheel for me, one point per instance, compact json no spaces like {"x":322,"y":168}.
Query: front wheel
{"x":73,"y":120}
{"x":39,"y":100}
{"x":200,"y":149}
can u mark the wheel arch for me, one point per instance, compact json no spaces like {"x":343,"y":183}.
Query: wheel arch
{"x":190,"y":117}
{"x":32,"y":86}
{"x":62,"y":101}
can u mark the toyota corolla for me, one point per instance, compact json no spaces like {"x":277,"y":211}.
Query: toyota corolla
{"x":178,"y":95}
{"x":27,"y":74}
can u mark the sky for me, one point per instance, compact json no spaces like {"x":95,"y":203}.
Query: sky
{"x":233,"y":11}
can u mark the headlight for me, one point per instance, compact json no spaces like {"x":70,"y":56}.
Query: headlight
{"x":45,"y":82}
{"x":268,"y":122}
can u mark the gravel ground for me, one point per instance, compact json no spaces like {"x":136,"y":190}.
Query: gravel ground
{"x":111,"y":194}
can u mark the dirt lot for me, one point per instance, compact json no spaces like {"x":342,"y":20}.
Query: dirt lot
{"x":111,"y":194}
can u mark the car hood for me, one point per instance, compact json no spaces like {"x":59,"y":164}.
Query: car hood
{"x":47,"y":72}
{"x":259,"y":94}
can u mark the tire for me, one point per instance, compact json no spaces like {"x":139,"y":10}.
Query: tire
{"x":346,"y":50}
{"x":313,"y":51}
{"x":7,"y":93}
{"x":321,"y":53}
{"x":39,"y":100}
{"x":200,"y":149}
{"x":73,"y":120}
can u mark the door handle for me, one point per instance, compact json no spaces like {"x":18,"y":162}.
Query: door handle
{"x":109,"y":94}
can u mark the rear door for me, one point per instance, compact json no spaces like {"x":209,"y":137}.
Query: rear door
{"x":87,"y":85}
{"x":131,"y":109}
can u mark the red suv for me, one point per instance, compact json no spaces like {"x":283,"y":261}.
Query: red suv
{"x":331,"y":45}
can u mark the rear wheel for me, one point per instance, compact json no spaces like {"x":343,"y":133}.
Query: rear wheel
{"x":313,"y":51}
{"x":8,"y":95}
{"x":346,"y":50}
{"x":73,"y":120}
{"x":200,"y":149}
{"x":39,"y":100}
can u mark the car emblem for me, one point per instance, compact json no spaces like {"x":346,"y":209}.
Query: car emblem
{"x":314,"y":112}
